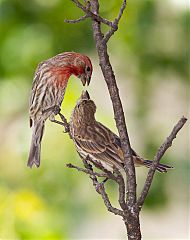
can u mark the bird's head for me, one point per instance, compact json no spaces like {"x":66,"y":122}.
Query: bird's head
{"x":69,"y":63}
{"x":85,"y":109}
{"x":83,"y":68}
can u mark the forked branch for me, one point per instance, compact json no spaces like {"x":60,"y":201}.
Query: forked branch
{"x":89,"y":14}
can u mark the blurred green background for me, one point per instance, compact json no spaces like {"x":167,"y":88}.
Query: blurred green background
{"x":150,"y":56}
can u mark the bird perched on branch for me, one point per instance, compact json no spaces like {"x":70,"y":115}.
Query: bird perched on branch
{"x":96,"y":141}
{"x":48,"y":89}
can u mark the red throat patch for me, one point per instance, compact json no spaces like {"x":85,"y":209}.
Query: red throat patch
{"x":62,"y":75}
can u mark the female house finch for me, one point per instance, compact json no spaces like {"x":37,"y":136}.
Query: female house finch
{"x":93,"y":139}
{"x":48,"y":89}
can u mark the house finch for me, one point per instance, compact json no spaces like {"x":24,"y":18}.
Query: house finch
{"x":48,"y":89}
{"x":93,"y":139}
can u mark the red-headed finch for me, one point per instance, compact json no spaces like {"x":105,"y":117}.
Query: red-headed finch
{"x":93,"y":139}
{"x":48,"y":89}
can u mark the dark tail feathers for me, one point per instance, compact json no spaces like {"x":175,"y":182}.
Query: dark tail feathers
{"x":35,"y":148}
{"x":163,"y":168}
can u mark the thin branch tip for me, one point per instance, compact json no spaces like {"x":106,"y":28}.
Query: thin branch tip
{"x":86,"y":9}
{"x":184,"y":118}
{"x":77,"y":20}
{"x":115,"y":23}
{"x":160,"y":153}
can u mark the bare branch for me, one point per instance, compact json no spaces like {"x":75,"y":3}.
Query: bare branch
{"x":87,"y":171}
{"x":123,"y":6}
{"x":86,"y":9}
{"x":115,"y":23}
{"x":157,"y":158}
{"x":121,"y":185}
{"x":101,"y":190}
{"x":77,"y":20}
{"x":118,"y":178}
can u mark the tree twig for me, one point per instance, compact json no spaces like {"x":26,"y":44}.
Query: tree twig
{"x":118,"y":179}
{"x":86,"y":9}
{"x":157,"y":158}
{"x":115,"y":23}
{"x":87,"y":171}
{"x":121,"y":185}
{"x":101,"y":190}
{"x":77,"y":20}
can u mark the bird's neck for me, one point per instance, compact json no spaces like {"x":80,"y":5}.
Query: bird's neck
{"x":68,"y":70}
{"x":77,"y":70}
{"x":63,"y":73}
{"x":84,"y":121}
{"x":88,"y":121}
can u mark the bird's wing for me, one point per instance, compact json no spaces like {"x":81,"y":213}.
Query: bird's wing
{"x":35,"y":83}
{"x":34,"y":95}
{"x":116,"y":142}
{"x":136,"y":158}
{"x":99,"y":142}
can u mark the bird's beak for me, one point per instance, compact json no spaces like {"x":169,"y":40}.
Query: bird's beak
{"x":85,"y":80}
{"x":85,"y":95}
{"x":88,"y":80}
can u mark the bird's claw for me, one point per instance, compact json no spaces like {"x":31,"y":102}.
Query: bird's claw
{"x":67,"y":129}
{"x":55,"y":109}
{"x":63,"y":118}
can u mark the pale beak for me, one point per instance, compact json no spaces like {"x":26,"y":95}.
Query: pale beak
{"x":88,"y":80}
{"x":85,"y":95}
{"x":83,"y":80}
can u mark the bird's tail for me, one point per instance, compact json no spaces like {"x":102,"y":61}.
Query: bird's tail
{"x":160,"y":168}
{"x":35,"y":148}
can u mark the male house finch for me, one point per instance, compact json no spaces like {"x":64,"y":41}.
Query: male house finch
{"x":48,"y":89}
{"x":93,"y":139}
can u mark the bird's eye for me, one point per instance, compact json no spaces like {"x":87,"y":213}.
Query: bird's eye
{"x":88,"y":69}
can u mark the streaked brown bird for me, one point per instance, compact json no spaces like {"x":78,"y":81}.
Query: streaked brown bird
{"x":93,"y":139}
{"x":48,"y":89}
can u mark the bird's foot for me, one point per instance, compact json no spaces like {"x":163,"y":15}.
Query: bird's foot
{"x":63,"y":118}
{"x":55,"y":109}
{"x":66,"y":126}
